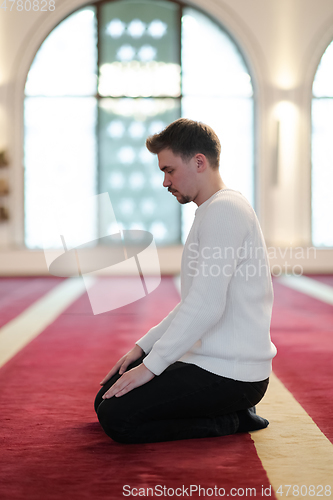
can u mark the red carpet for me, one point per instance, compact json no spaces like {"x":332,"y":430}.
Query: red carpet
{"x":302,"y":329}
{"x":16,"y":294}
{"x":52,"y":446}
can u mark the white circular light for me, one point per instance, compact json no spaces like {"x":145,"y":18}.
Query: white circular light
{"x":115,"y":28}
{"x":146,"y":156}
{"x":148,"y":206}
{"x":116,"y":129}
{"x":158,"y":230}
{"x":157,"y":29}
{"x":157,"y":180}
{"x":136,"y":130}
{"x":156,"y":126}
{"x":126,"y":154}
{"x":137,"y":180}
{"x":116,"y":180}
{"x":125,"y":53}
{"x":136,"y":28}
{"x":147,"y":53}
{"x":126,"y":206}
{"x":137,"y":225}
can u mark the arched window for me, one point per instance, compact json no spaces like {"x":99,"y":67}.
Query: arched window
{"x":322,"y":153}
{"x":104,"y":79}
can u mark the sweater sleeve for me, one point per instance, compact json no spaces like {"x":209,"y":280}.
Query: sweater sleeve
{"x":225,"y":224}
{"x":148,"y":340}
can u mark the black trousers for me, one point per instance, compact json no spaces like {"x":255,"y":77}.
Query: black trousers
{"x":184,"y":402}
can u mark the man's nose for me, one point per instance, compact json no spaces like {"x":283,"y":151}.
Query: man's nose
{"x":166,"y":182}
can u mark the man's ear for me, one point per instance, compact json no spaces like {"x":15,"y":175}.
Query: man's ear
{"x":201,"y":162}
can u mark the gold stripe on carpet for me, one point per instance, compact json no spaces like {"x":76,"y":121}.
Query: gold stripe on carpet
{"x":30,"y":323}
{"x":309,"y":286}
{"x":292,"y":449}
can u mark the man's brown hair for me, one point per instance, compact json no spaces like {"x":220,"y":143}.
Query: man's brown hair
{"x":186,"y":138}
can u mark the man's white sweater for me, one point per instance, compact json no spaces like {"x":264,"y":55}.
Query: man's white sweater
{"x":222,"y":322}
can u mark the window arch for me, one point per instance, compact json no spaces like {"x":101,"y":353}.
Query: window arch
{"x":106,"y":77}
{"x":322,"y":152}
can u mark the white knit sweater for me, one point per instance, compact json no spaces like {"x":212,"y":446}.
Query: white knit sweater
{"x":222,"y":322}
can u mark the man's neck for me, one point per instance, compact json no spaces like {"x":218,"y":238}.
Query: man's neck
{"x":211,"y":189}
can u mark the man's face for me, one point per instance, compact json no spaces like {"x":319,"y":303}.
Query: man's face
{"x":179,"y":175}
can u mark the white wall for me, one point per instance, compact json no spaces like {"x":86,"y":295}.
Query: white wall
{"x":282,"y":41}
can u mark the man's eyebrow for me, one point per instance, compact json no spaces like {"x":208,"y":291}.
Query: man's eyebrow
{"x":165,"y":168}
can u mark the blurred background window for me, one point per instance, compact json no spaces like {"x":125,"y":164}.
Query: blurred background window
{"x":322,"y":153}
{"x":104,"y":79}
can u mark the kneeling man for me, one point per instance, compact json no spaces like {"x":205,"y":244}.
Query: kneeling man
{"x":201,"y":371}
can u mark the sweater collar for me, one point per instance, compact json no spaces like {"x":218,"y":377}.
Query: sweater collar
{"x":207,"y":202}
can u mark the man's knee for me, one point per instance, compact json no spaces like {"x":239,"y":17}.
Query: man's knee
{"x":115,"y":425}
{"x":103,"y":389}
{"x":98,"y":398}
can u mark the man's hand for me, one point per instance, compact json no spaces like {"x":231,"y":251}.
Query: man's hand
{"x":123,"y":363}
{"x":139,"y":375}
